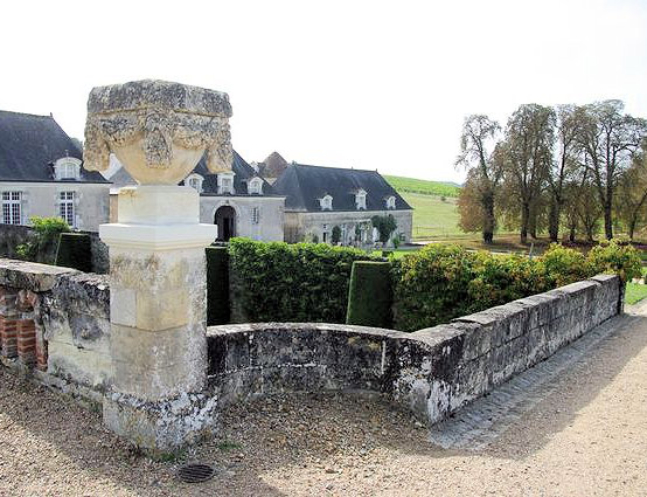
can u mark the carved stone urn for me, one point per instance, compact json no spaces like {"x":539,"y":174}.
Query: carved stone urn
{"x":158,"y":131}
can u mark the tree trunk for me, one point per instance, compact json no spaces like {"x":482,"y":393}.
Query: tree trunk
{"x":632,"y":228}
{"x":608,"y":220}
{"x":571,"y":235}
{"x":525,"y":218}
{"x":489,"y":220}
{"x":553,"y":220}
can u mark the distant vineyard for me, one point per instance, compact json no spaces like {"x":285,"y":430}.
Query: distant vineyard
{"x":410,"y":185}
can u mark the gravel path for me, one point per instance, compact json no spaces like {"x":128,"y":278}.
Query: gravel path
{"x":586,"y":436}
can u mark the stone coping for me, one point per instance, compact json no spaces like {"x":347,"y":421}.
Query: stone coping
{"x":31,"y":275}
{"x":151,"y":94}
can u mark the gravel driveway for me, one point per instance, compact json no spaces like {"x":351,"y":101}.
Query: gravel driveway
{"x":586,"y":437}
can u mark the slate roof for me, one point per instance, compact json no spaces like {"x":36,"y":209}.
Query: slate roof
{"x":243,"y":172}
{"x":304,"y":185}
{"x":30,"y":144}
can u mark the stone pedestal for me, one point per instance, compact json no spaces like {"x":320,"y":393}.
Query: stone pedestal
{"x":157,"y":313}
{"x":159,"y":131}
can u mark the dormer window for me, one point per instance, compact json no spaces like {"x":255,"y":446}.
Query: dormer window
{"x":255,"y":186}
{"x":390,"y":202}
{"x":195,"y":182}
{"x":226,"y":183}
{"x":360,"y":200}
{"x":326,"y":203}
{"x":67,"y":168}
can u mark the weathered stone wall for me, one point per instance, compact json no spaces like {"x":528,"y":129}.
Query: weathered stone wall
{"x":433,"y":371}
{"x":56,"y":321}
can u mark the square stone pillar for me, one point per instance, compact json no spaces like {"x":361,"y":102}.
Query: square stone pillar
{"x":158,"y":310}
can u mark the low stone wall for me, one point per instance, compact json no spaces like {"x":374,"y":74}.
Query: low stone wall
{"x":56,"y":322}
{"x":433,"y":371}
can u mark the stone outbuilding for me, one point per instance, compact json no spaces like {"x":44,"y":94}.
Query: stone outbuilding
{"x":41,"y":175}
{"x":240,"y":202}
{"x":319,"y":198}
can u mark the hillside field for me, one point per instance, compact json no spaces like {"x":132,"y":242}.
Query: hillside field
{"x":421,"y":186}
{"x":432,"y":217}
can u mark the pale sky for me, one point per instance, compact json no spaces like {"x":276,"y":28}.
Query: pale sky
{"x":364,"y":84}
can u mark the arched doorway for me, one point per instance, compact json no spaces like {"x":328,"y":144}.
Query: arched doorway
{"x":225,"y":219}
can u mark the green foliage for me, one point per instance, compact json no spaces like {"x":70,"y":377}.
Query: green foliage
{"x":442,"y":282}
{"x":431,"y":286}
{"x":295,"y":283}
{"x":42,"y":245}
{"x":75,"y":251}
{"x":217,"y":286}
{"x":370,"y":296}
{"x":611,"y":257}
{"x":424,"y":187}
{"x":336,"y":235}
{"x":563,"y":265}
{"x":385,"y":225}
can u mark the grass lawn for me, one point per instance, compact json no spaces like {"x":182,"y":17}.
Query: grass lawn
{"x":433,"y":218}
{"x":635,"y":293}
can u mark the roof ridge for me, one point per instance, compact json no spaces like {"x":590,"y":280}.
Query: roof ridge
{"x":335,"y":167}
{"x":26,"y":114}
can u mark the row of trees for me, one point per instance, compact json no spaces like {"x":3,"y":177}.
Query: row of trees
{"x":554,"y":168}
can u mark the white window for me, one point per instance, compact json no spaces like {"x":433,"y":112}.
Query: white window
{"x":67,"y":168}
{"x":390,"y":202}
{"x":255,"y":186}
{"x":11,"y":207}
{"x":256,"y":215}
{"x":226,"y":183}
{"x":326,"y":203}
{"x":195,"y":182}
{"x":360,"y":200}
{"x":66,"y":208}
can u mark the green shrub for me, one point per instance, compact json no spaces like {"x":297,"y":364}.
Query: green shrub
{"x":336,"y":235}
{"x":443,"y":282}
{"x":611,"y":257}
{"x":370,"y":296}
{"x":41,"y":247}
{"x":280,"y":282}
{"x":431,"y":286}
{"x":217,"y":286}
{"x":563,"y":265}
{"x":74,"y":251}
{"x":385,"y":225}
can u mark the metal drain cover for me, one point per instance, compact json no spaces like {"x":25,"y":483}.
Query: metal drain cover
{"x":195,"y":473}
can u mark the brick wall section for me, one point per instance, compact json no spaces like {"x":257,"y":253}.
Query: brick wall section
{"x":8,"y":323}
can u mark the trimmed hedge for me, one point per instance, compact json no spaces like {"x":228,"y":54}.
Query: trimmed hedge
{"x":370,"y":296}
{"x":217,"y":286}
{"x":301,"y":282}
{"x":75,"y":251}
{"x":442,"y":282}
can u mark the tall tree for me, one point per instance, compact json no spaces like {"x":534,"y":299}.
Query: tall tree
{"x":564,"y":164}
{"x":631,"y":199}
{"x":530,"y":135}
{"x":609,"y":138}
{"x":478,"y":140}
